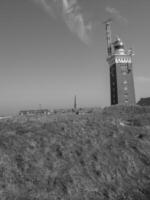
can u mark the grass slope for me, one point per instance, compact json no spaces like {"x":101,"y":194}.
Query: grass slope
{"x":77,"y":157}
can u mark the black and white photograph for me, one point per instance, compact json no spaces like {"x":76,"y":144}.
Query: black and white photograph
{"x":74,"y":100}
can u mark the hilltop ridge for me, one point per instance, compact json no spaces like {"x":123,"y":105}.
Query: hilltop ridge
{"x":95,"y":156}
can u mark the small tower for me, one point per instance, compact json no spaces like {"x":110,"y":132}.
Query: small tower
{"x":75,"y":103}
{"x":121,"y":74}
{"x":75,"y":109}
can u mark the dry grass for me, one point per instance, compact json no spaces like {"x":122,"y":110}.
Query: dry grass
{"x":76,"y":157}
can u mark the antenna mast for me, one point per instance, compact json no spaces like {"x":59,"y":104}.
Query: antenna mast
{"x":75,"y":103}
{"x":108,"y":36}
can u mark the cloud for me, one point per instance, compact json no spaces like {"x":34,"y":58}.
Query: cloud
{"x":116,"y":14}
{"x":74,"y":19}
{"x":71,"y":13}
{"x":47,"y":5}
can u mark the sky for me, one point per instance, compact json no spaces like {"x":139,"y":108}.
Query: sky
{"x":51,"y":50}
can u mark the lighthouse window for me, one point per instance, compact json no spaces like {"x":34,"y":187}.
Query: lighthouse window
{"x":126,"y":96}
{"x":124,"y":73}
{"x":125,"y":88}
{"x":114,"y":100}
{"x":114,"y":89}
{"x":126,"y":101}
{"x":123,"y":68}
{"x":125,"y":82}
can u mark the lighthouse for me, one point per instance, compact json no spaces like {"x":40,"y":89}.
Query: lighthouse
{"x":121,"y":71}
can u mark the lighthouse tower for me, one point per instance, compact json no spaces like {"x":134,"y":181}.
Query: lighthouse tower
{"x":121,"y":73}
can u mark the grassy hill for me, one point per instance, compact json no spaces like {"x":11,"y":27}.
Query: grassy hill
{"x":93,"y":156}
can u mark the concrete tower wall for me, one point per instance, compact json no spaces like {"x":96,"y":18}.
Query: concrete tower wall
{"x":113,"y":85}
{"x":121,"y":79}
{"x":125,"y":83}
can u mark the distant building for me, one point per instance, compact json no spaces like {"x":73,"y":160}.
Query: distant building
{"x":144,"y":101}
{"x":34,"y":112}
{"x":121,"y":74}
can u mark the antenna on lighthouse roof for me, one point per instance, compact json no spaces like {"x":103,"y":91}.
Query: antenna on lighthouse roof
{"x":108,"y":36}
